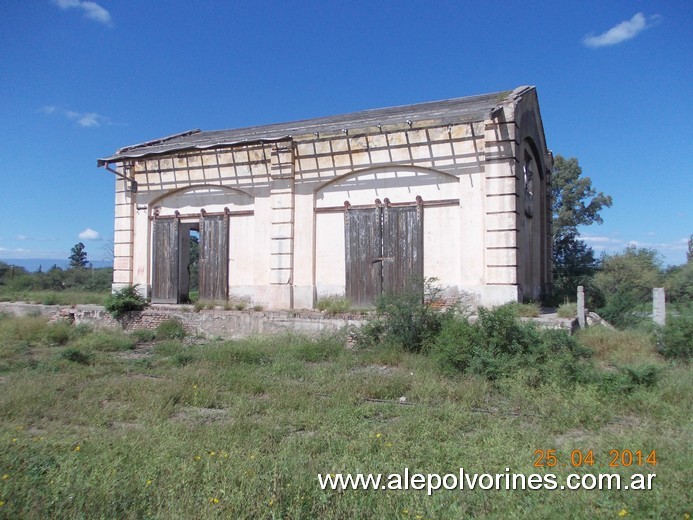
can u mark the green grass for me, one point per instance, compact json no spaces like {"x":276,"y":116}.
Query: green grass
{"x":333,"y":304}
{"x":66,"y":297}
{"x":240,"y":429}
{"x":567,"y":310}
{"x":526,"y":310}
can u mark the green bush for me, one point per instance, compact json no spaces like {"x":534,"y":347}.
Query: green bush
{"x":125,"y":300}
{"x":409,"y":319}
{"x":619,"y":309}
{"x":679,"y":284}
{"x":498,"y":344}
{"x":628,"y":379}
{"x":170,"y":329}
{"x":623,"y":285}
{"x":675,"y":340}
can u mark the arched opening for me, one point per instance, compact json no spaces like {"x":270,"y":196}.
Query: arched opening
{"x":370,"y":236}
{"x":533,"y":223}
{"x":191,"y":236}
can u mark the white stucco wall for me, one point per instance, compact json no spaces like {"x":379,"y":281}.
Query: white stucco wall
{"x":290,"y":250}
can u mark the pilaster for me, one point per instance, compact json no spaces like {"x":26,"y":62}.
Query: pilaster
{"x":282,"y":196}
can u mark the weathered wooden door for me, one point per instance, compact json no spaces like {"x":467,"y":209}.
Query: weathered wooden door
{"x":165,"y":260}
{"x":384,"y":251}
{"x":363,"y":235}
{"x":214,"y":258}
{"x":402,"y":247}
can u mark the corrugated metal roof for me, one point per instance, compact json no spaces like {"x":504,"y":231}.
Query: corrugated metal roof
{"x":458,"y":110}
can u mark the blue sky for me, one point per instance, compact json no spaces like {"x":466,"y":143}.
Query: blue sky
{"x":79,"y":79}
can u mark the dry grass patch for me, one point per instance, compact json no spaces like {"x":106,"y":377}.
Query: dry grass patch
{"x":620,"y":347}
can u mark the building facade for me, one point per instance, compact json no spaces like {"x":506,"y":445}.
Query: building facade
{"x":354,"y":205}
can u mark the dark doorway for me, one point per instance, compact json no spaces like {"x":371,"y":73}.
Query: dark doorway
{"x":384,"y":250}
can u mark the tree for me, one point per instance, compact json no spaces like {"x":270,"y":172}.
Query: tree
{"x":689,"y":253}
{"x":194,"y":266}
{"x":574,"y":203}
{"x":624,"y":282}
{"x":78,"y":256}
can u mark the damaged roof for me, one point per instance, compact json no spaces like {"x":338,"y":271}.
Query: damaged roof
{"x":459,"y":110}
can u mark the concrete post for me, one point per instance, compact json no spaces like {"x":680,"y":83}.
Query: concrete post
{"x":581,"y":306}
{"x":658,"y":306}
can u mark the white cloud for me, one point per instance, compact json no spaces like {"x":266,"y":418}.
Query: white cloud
{"x":86,"y":119}
{"x":621,"y":32}
{"x":83,"y":119}
{"x":91,"y":10}
{"x":90,"y":234}
{"x":591,"y":239}
{"x":21,"y":237}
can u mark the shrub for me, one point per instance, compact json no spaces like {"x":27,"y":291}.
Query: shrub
{"x":125,"y":300}
{"x":679,"y":284}
{"x":628,"y":379}
{"x":409,"y":319}
{"x":623,"y":283}
{"x":675,"y":340}
{"x":170,"y":329}
{"x":499,"y":344}
{"x":619,"y":309}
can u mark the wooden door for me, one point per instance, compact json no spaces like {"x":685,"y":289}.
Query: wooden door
{"x":214,"y":258}
{"x":165,"y":260}
{"x":402,"y":262}
{"x":384,"y":251}
{"x":363,"y":248}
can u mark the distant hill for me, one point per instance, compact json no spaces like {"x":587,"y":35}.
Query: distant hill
{"x":33,"y":264}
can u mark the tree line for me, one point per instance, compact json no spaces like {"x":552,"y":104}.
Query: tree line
{"x":618,"y":285}
{"x":78,"y":276}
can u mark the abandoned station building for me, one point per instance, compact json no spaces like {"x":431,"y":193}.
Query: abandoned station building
{"x":353,"y":205}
